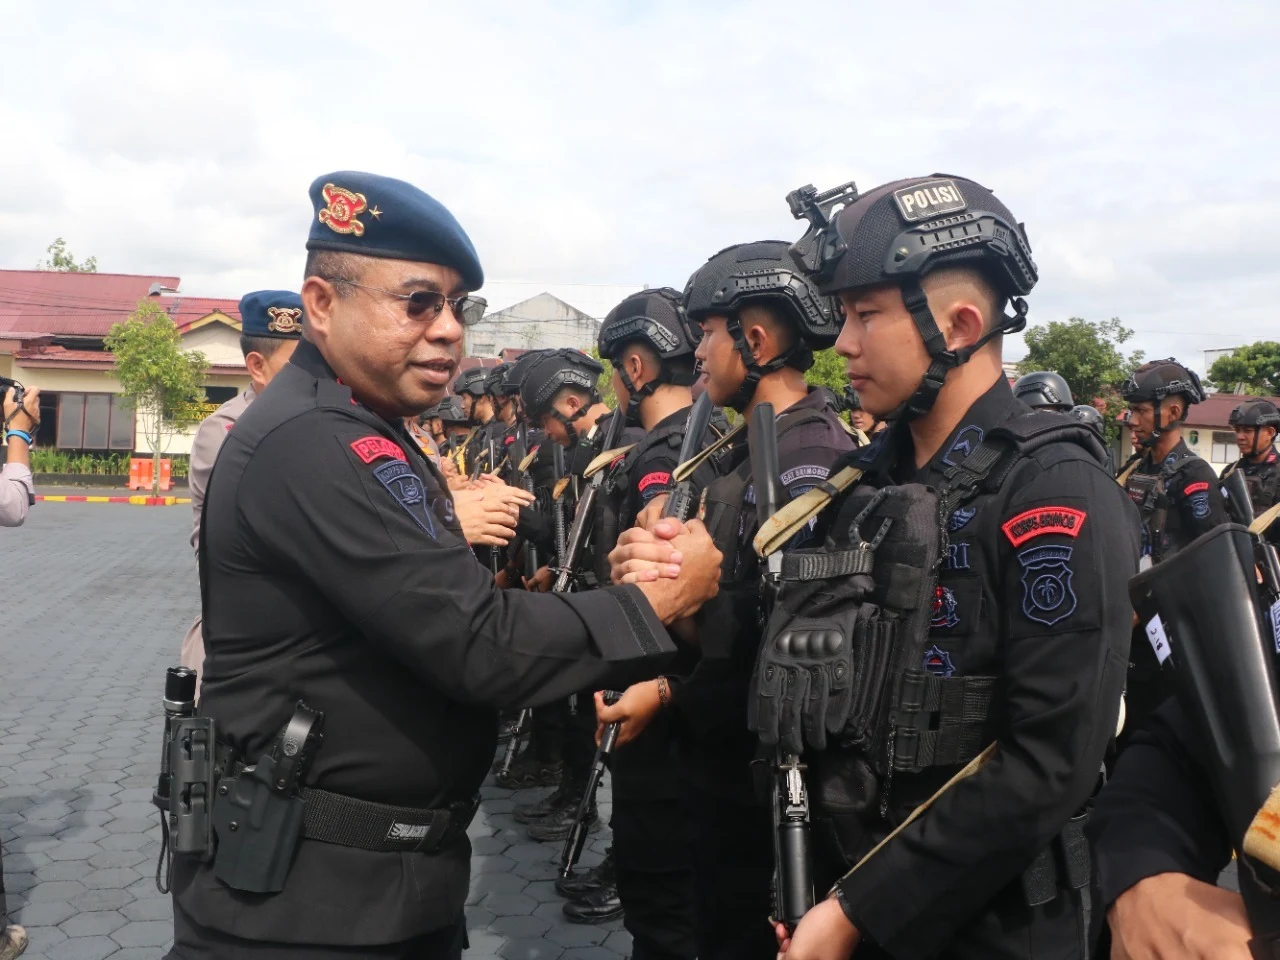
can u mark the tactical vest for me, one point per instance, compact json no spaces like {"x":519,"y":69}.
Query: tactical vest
{"x":1150,"y":493}
{"x":874,"y":582}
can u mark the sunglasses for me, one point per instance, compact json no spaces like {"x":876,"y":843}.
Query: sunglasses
{"x":429,"y":304}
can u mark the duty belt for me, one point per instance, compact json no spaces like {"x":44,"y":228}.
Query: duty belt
{"x":383,"y":828}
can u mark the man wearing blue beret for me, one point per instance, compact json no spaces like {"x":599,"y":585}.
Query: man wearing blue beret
{"x":270,"y":327}
{"x":356,"y":652}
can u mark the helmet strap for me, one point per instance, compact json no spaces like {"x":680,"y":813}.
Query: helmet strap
{"x":568,"y":422}
{"x":799,"y":356}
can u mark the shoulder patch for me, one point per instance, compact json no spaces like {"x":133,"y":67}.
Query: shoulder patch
{"x":658,"y":477}
{"x":1198,"y":487}
{"x":965,"y":443}
{"x":1041,"y":521}
{"x":1199,"y":505}
{"x":1047,"y":596}
{"x":808,"y":471}
{"x":409,"y":491}
{"x":370,"y":449}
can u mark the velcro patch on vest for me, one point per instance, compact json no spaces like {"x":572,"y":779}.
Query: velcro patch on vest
{"x":1047,"y":596}
{"x":1042,"y":521}
{"x":1199,"y":487}
{"x":933,"y":198}
{"x":370,"y":449}
{"x":409,"y":491}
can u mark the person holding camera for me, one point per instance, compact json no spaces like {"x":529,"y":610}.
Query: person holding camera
{"x":21,"y":421}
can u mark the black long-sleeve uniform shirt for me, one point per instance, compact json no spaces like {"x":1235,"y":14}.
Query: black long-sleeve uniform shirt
{"x":335,"y":572}
{"x":1033,"y":592}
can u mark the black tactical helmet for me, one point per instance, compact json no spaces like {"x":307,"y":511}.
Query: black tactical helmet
{"x":1255,"y":413}
{"x":493,"y":382}
{"x":1154,"y":381}
{"x":449,"y":410}
{"x":519,"y":369}
{"x":902,"y":231}
{"x":656,"y":319}
{"x":1044,"y":389}
{"x":760,"y":272}
{"x":552,"y":372}
{"x":471,"y":381}
{"x":1088,"y":414}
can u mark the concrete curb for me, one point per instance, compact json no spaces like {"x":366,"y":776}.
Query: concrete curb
{"x":135,"y":501}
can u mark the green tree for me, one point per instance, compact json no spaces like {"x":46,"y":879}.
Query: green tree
{"x":604,"y":386}
{"x":1088,"y":355}
{"x":1254,"y":369}
{"x":164,"y":381}
{"x":62,"y":260}
{"x":827,"y":371}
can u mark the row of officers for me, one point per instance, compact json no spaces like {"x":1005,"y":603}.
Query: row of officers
{"x":869,"y":671}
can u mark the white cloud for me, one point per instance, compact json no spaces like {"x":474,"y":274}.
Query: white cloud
{"x":589,"y":143}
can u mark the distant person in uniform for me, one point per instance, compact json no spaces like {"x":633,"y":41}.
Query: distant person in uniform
{"x":270,"y":327}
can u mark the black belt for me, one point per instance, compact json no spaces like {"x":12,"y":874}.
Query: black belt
{"x":335,"y":818}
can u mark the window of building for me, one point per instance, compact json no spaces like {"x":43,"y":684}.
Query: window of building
{"x":219,"y":395}
{"x":1224,"y":448}
{"x":95,"y":421}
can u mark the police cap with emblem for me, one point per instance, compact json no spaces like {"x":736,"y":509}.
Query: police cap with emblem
{"x":760,"y":273}
{"x":377,"y":216}
{"x":271,"y":314}
{"x":551,"y":373}
{"x":654,"y":318}
{"x":1154,"y":381}
{"x":899,"y":233}
{"x":1255,"y":413}
{"x":1044,"y":389}
{"x":471,"y":381}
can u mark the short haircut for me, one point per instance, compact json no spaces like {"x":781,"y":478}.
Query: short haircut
{"x":267,"y":346}
{"x":778,"y":323}
{"x":586,"y":396}
{"x":333,"y":265}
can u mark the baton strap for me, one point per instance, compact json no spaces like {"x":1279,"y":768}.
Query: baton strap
{"x":786,"y":523}
{"x":1265,"y":519}
{"x":348,"y":822}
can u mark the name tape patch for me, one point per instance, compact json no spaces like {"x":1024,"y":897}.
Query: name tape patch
{"x":370,"y":449}
{"x":929,"y":199}
{"x":656,"y":478}
{"x":1200,"y":487}
{"x":1158,"y":639}
{"x":1042,"y":521}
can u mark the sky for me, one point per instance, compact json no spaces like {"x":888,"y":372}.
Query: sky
{"x":589,"y":147}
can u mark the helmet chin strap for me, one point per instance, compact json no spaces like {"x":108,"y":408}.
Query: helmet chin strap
{"x":799,"y":356}
{"x":1159,"y":430}
{"x":568,"y":422}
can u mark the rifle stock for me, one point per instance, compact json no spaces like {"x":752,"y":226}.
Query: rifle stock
{"x":583,"y":515}
{"x":577,"y":838}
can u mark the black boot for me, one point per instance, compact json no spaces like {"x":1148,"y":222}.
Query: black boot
{"x":578,"y":885}
{"x":528,"y":771}
{"x":557,"y":825}
{"x":599,"y":906}
{"x":539,"y":809}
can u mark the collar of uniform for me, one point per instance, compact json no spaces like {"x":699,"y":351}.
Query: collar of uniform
{"x":990,"y":409}
{"x":1180,"y":451}
{"x":681,"y":416}
{"x":309,"y":358}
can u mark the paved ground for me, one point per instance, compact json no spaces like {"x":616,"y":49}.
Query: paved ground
{"x":84,"y":658}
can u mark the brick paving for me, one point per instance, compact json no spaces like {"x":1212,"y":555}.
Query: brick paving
{"x":95,"y":604}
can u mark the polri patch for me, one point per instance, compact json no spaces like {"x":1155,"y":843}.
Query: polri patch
{"x":957,"y":557}
{"x":961,"y":517}
{"x":409,"y":491}
{"x":965,"y":443}
{"x":1042,"y":521}
{"x":1200,"y":505}
{"x":370,"y":449}
{"x":1047,"y":596}
{"x":933,"y":198}
{"x":938,"y":662}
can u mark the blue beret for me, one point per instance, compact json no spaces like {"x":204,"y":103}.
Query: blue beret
{"x":380,"y":217}
{"x":271,"y":313}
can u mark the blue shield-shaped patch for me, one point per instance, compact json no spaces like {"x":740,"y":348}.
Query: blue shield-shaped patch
{"x":1047,"y":596}
{"x":409,"y":491}
{"x":938,"y":662}
{"x":1199,"y":505}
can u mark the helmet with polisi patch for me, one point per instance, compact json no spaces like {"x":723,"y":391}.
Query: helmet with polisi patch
{"x":900,"y":232}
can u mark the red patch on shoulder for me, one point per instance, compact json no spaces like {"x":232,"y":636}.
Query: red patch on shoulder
{"x":370,"y":449}
{"x":649,"y":479}
{"x":1200,"y":487}
{"x":509,"y":441}
{"x":1042,"y":521}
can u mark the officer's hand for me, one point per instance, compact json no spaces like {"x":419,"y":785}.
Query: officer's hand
{"x":635,"y":711}
{"x":486,"y":519}
{"x":448,"y":468}
{"x":652,"y":512}
{"x":488,"y":478}
{"x":824,"y":933}
{"x":698,"y":580}
{"x":541,"y":581}
{"x":642,"y":556}
{"x":1173,"y":917}
{"x":28,"y":417}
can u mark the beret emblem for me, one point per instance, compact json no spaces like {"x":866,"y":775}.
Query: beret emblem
{"x":343,"y":209}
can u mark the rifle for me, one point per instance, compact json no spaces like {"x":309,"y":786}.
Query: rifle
{"x":518,"y":459}
{"x":583,"y":515}
{"x":680,"y":501}
{"x":793,"y":874}
{"x":577,"y":838}
{"x":557,"y":504}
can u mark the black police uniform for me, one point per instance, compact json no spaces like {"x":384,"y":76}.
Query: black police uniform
{"x":334,"y":572}
{"x":1157,"y":813}
{"x":1263,"y":480}
{"x":1030,"y":606}
{"x":730,"y":819}
{"x":654,"y":869}
{"x":1178,"y":500}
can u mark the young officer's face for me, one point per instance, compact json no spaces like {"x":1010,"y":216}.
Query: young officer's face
{"x":719,"y":361}
{"x":884,"y":354}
